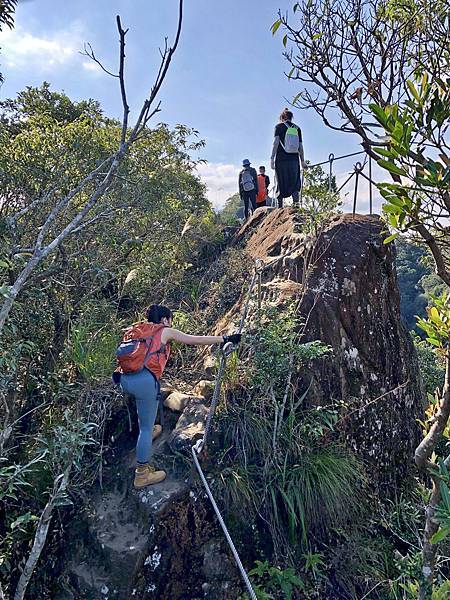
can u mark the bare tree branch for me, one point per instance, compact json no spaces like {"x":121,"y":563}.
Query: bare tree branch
{"x":40,"y":537}
{"x":41,"y":252}
{"x":89,"y":52}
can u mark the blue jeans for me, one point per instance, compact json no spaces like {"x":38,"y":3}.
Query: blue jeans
{"x":144,"y":387}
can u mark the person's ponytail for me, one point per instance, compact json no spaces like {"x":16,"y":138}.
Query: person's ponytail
{"x":153,"y":314}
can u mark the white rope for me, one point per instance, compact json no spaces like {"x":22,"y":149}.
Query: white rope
{"x":224,"y":527}
{"x":201,"y":443}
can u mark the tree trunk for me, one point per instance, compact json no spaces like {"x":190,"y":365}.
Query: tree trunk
{"x":40,"y":536}
{"x":423,"y":455}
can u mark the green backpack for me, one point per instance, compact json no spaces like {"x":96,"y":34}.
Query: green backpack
{"x":291,"y":140}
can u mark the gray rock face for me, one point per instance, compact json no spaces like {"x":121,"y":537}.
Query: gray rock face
{"x":346,"y":281}
{"x":190,"y":426}
{"x":109,"y":538}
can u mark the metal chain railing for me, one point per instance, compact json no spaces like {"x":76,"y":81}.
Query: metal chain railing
{"x":358,"y":169}
{"x":201,"y":444}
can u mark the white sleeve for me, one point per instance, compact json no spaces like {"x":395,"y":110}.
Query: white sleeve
{"x":276,"y":143}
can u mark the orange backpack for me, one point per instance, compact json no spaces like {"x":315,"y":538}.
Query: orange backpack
{"x":141,"y":347}
{"x":262,"y":189}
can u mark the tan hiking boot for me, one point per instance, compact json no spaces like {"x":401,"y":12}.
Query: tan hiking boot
{"x":157,"y":431}
{"x":147,"y":475}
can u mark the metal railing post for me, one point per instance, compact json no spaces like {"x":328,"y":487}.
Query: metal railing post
{"x":358,"y":169}
{"x":330,"y":175}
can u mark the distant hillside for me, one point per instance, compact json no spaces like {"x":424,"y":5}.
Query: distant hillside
{"x":416,"y":281}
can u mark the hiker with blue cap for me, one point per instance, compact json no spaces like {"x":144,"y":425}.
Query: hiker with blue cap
{"x":248,"y":187}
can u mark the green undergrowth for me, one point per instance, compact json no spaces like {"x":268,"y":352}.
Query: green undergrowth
{"x":297,"y":500}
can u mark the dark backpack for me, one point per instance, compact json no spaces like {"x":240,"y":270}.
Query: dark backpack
{"x":247,"y":181}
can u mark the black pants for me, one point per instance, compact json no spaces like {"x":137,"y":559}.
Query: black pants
{"x":249,"y":198}
{"x":295,"y":198}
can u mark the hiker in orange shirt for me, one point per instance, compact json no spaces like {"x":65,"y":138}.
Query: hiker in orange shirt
{"x":263,"y":187}
{"x":142,"y":357}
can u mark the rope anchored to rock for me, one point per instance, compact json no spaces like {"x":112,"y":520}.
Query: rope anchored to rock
{"x":200,"y":445}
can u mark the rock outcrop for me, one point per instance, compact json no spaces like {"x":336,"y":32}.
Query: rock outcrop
{"x":159,"y":542}
{"x":346,"y":280}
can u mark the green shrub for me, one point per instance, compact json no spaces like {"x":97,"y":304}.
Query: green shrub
{"x":279,"y":467}
{"x":91,"y":348}
{"x":280,"y":583}
{"x":431,"y":365}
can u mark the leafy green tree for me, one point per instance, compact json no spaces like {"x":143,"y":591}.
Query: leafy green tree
{"x":73,"y":195}
{"x":319,"y":195}
{"x":63,"y":328}
{"x":158,"y":185}
{"x":410,"y":271}
{"x":418,"y":200}
{"x":232,"y":211}
{"x":431,"y":365}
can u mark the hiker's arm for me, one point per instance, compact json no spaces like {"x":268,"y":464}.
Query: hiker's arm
{"x":170,"y":334}
{"x":240,"y":185}
{"x":276,"y":143}
{"x":301,"y":153}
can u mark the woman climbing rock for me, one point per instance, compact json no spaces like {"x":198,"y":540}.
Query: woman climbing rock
{"x":287,"y":153}
{"x":142,"y":357}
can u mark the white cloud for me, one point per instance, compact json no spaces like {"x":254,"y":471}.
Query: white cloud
{"x":21,"y":49}
{"x":92,"y":67}
{"x":221,"y":181}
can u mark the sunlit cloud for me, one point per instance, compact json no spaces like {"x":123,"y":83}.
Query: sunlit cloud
{"x":92,"y":67}
{"x":220,"y":180}
{"x":23,"y":50}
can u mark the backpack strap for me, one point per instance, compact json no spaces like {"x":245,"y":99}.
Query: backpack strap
{"x":148,"y":341}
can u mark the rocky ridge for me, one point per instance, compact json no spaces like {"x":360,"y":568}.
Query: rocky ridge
{"x":164,"y":542}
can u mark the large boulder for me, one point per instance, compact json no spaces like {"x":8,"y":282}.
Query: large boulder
{"x":346,"y":285}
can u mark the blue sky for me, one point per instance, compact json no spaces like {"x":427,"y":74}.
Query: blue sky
{"x":227,"y":79}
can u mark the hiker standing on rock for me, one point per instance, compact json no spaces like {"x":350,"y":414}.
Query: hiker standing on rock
{"x":263,"y":187}
{"x":287,"y":153}
{"x":142,"y":357}
{"x":248,"y":187}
